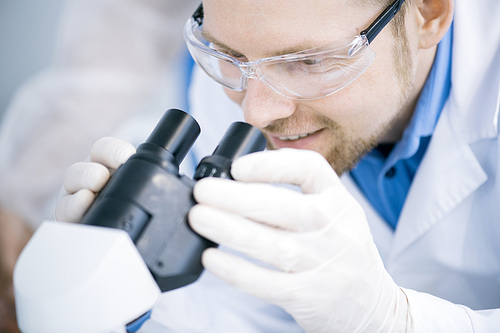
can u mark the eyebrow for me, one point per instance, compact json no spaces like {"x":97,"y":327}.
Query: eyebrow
{"x":208,"y":36}
{"x":301,"y":47}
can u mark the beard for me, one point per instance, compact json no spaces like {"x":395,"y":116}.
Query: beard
{"x":337,"y":145}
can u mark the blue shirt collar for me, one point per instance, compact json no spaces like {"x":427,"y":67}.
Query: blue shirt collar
{"x":432,"y":99}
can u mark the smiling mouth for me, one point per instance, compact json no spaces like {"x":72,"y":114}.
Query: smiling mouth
{"x":295,"y":137}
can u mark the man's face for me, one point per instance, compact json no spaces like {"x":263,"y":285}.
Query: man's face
{"x":343,"y":126}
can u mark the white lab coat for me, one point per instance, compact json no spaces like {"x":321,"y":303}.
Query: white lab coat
{"x":447,"y":242}
{"x":446,"y":249}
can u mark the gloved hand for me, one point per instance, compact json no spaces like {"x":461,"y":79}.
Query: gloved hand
{"x":329,"y":275}
{"x":84,"y":179}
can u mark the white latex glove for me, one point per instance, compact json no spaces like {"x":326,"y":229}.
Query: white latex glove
{"x":329,"y":275}
{"x":84,"y":179}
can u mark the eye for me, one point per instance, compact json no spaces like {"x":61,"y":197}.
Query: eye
{"x":316,"y":66}
{"x":311,"y":62}
{"x":238,"y":56}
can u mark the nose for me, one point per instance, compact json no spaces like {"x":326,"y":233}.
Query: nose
{"x":262,"y":105}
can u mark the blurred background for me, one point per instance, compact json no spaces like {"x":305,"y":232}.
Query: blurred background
{"x":121,"y":64}
{"x":27,"y":40}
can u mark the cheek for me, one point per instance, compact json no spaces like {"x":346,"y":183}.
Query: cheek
{"x":384,"y":76}
{"x":349,"y":107}
{"x":380,"y":83}
{"x":235,"y":96}
{"x":376,"y":95}
{"x":362,"y":109}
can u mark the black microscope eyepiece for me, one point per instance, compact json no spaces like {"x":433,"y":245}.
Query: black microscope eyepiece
{"x":240,"y":139}
{"x":170,"y":141}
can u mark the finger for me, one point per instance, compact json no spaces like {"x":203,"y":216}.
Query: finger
{"x":260,"y":282}
{"x":287,"y":251}
{"x":305,"y":168}
{"x":71,"y":208}
{"x":111,"y":152}
{"x":276,"y":206}
{"x":85,"y":175}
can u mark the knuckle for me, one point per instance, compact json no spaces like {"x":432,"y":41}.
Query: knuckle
{"x":79,"y":203}
{"x":111,"y":151}
{"x":72,"y":176}
{"x":94,"y":176}
{"x":123,"y":152}
{"x":288,"y":250}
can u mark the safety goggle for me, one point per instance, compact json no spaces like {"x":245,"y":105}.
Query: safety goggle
{"x":304,"y":75}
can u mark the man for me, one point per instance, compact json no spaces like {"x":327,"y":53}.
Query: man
{"x":422,"y":122}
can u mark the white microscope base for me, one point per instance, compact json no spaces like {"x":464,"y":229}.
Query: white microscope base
{"x":80,"y":278}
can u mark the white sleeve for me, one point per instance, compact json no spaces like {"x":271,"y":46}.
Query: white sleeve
{"x":431,"y":314}
{"x":109,"y":56}
{"x":210,"y":305}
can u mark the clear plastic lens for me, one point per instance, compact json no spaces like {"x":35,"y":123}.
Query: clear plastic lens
{"x":321,"y":78}
{"x":309,"y":74}
{"x":221,"y":70}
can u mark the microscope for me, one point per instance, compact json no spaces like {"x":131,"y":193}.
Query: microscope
{"x":133,"y":243}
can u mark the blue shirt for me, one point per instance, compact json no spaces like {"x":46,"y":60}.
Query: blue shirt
{"x":384,"y":175}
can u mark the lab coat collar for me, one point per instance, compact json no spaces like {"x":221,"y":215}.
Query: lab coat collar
{"x":450,"y":172}
{"x":447,"y":175}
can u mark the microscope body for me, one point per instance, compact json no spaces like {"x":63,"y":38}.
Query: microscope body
{"x":149,"y":199}
{"x":135,"y":200}
{"x":133,"y":243}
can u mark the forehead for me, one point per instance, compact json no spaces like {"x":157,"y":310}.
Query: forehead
{"x":258,"y":28}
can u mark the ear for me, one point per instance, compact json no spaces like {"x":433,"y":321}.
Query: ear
{"x":434,"y":17}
